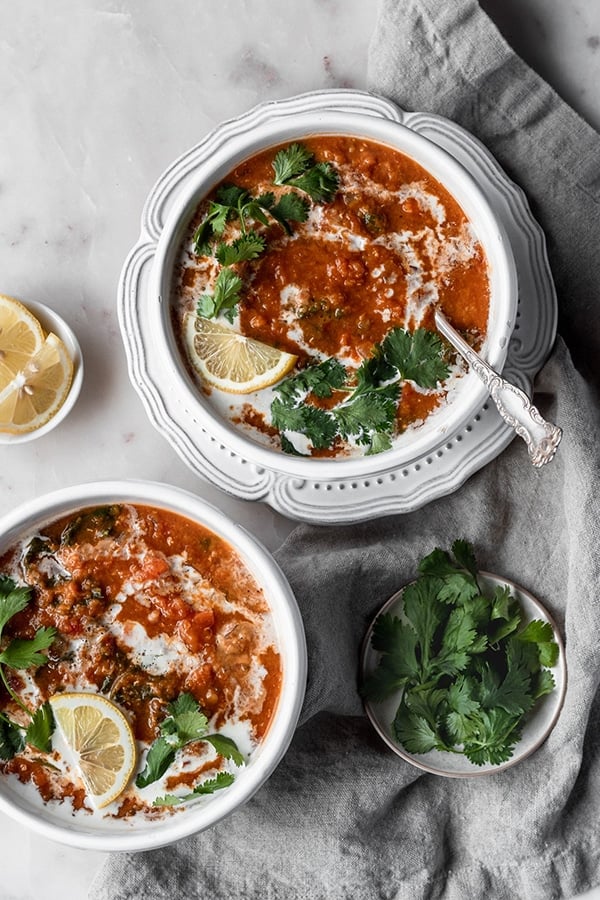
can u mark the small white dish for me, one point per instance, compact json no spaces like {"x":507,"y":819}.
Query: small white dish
{"x":537,"y":727}
{"x":52,"y":322}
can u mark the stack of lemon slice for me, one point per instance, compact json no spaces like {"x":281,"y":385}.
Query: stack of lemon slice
{"x":36,"y":370}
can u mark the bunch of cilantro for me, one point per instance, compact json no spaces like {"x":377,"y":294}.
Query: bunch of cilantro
{"x":467,"y":665}
{"x":367,"y":412}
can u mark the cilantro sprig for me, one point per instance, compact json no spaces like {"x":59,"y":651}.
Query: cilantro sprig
{"x":184,"y":725}
{"x":20,"y":653}
{"x":366,"y":412}
{"x":293,"y":166}
{"x":225,"y":296}
{"x":220,"y":781}
{"x":468,"y":667}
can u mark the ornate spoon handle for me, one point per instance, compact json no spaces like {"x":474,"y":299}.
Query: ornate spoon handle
{"x":542,"y":437}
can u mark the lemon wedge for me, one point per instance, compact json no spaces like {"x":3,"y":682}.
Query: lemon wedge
{"x":100,"y":740}
{"x":21,"y":337}
{"x":38,"y":389}
{"x":230,"y":361}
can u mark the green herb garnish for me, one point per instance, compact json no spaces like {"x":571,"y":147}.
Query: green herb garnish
{"x":246,"y":247}
{"x":295,"y":166}
{"x":468,"y":667}
{"x":22,"y":654}
{"x":366,"y":412}
{"x":225,"y":296}
{"x":185,"y":724}
{"x":221,"y":780}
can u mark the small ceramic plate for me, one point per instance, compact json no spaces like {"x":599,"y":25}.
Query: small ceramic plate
{"x":538,"y":726}
{"x":52,"y":322}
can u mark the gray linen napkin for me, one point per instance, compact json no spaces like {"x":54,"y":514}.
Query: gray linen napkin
{"x":343,"y":817}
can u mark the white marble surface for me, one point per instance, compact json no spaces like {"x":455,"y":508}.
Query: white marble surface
{"x":97,"y":98}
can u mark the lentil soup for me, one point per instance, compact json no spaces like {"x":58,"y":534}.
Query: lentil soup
{"x":147,"y":605}
{"x":389,"y":246}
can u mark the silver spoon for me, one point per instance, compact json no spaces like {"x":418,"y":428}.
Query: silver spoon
{"x":542,"y":437}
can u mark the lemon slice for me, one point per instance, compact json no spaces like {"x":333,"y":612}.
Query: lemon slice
{"x":21,"y":337}
{"x":38,"y":389}
{"x":231,"y":361}
{"x":100,"y":740}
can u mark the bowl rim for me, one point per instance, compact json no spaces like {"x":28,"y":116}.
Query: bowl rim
{"x":51,"y":321}
{"x":291,"y":636}
{"x":235,"y":142}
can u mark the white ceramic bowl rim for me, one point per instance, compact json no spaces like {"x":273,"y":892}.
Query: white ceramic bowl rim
{"x":235,"y":142}
{"x":289,"y":627}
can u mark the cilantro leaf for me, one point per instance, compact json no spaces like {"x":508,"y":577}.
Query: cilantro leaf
{"x":366,"y":412}
{"x":378,"y":442}
{"x":184,"y":703}
{"x":226,"y":747}
{"x":291,"y":161}
{"x":22,"y":653}
{"x":288,"y":447}
{"x":232,"y":196}
{"x":413,"y":731}
{"x":320,"y":379}
{"x":11,"y":738}
{"x":290,"y":208}
{"x":464,"y":556}
{"x":221,"y":780}
{"x":161,"y":756}
{"x":316,"y":424}
{"x":212,"y":225}
{"x":41,"y":727}
{"x":185,"y":720}
{"x":430,"y":704}
{"x":506,"y":614}
{"x":320,"y":182}
{"x":418,"y":356}
{"x":225,"y":296}
{"x":461,"y":695}
{"x":425,"y":613}
{"x":460,"y":584}
{"x":399,"y":642}
{"x":510,"y":693}
{"x":541,"y":634}
{"x":492,"y":737}
{"x":247,"y":246}
{"x":374,"y":371}
{"x":294,"y":166}
{"x":542,"y":683}
{"x":13,"y":599}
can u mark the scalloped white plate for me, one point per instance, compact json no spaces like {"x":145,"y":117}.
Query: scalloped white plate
{"x":394,"y":489}
{"x":536,"y":729}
